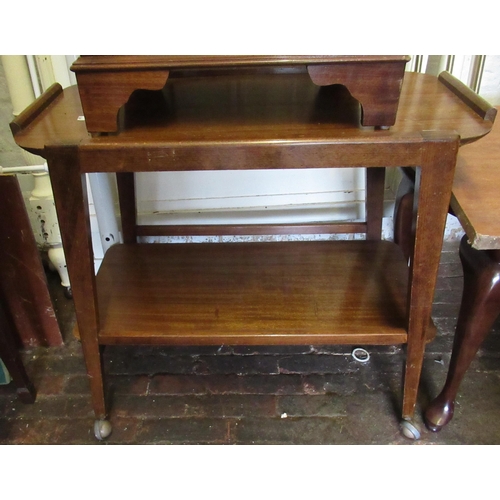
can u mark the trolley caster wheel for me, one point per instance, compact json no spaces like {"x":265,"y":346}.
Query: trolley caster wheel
{"x":410,"y":430}
{"x":68,"y":293}
{"x":102,"y":429}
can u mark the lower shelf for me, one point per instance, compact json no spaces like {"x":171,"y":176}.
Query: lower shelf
{"x":341,"y":292}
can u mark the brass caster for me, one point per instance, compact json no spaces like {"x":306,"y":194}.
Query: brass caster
{"x":102,"y":429}
{"x":410,"y":430}
{"x":68,"y":293}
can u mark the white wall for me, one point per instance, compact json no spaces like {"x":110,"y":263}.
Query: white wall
{"x":490,"y":83}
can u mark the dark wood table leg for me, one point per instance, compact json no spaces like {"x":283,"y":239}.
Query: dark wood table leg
{"x":478,"y":311}
{"x":375,"y":185}
{"x":104,"y":93}
{"x":126,"y":194}
{"x":70,"y":196}
{"x":11,"y":357}
{"x":379,"y":109}
{"x":22,"y":277}
{"x":403,"y":215}
{"x":433,"y":185}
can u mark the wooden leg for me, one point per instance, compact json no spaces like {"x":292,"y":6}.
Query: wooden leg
{"x":403,"y":216}
{"x":22,"y":277}
{"x":375,"y":183}
{"x":379,"y":108}
{"x":70,"y":195}
{"x":432,"y":193}
{"x":479,"y":309}
{"x":126,"y":194}
{"x":12,"y":359}
{"x":103,"y":93}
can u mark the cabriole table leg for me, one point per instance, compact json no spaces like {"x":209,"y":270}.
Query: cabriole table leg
{"x":479,"y":309}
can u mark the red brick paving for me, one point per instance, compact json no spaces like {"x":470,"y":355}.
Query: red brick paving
{"x":252,"y":395}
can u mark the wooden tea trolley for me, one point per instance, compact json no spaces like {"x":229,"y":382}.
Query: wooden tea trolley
{"x":252,"y":113}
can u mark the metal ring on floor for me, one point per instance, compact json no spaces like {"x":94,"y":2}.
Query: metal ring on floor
{"x":361,"y":355}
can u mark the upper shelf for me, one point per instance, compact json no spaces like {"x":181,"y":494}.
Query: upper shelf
{"x":271,"y":110}
{"x":106,"y":82}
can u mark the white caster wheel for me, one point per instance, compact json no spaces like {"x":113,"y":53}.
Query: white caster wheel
{"x":410,"y":430}
{"x":102,"y":429}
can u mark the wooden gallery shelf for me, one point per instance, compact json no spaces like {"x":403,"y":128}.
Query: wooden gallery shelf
{"x":253,"y":293}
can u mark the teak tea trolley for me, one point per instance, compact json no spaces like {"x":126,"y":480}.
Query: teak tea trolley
{"x":234,"y":113}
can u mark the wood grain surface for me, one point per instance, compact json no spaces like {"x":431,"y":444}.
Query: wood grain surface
{"x":253,"y":113}
{"x":256,"y":293}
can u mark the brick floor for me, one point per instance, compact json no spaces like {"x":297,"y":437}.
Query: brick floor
{"x":253,"y":395}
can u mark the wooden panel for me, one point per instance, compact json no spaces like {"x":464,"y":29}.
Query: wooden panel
{"x":22,"y":277}
{"x":126,"y":195}
{"x":70,"y":196}
{"x":257,"y":293}
{"x":376,"y":86}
